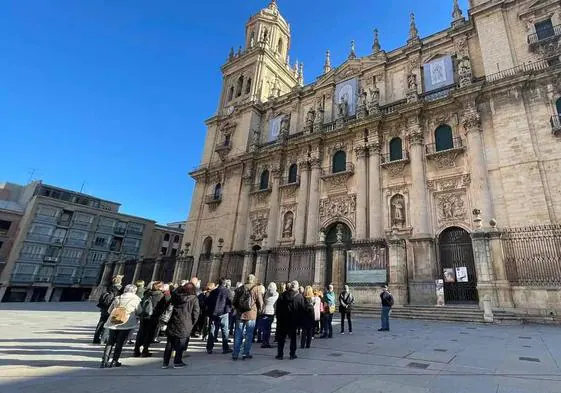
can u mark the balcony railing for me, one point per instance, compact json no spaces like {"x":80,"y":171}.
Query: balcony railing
{"x":386,"y":158}
{"x":329,"y":171}
{"x":50,"y":259}
{"x":555,"y":124}
{"x":43,"y":279}
{"x":457,"y":144}
{"x":257,"y":188}
{"x":88,"y":281}
{"x":30,"y":257}
{"x":39,"y":238}
{"x":285,"y":181}
{"x":75,"y":242}
{"x":438,"y":94}
{"x":22,"y":278}
{"x":69,"y":261}
{"x":64,"y":223}
{"x":81,"y":224}
{"x":544,"y":35}
{"x":120,"y":230}
{"x":105,"y":228}
{"x":45,"y":219}
{"x":65,"y":279}
{"x":213,"y":199}
{"x":134,"y":232}
{"x":521,"y":69}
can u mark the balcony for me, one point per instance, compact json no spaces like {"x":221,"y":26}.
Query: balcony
{"x":287,"y":182}
{"x":67,"y":279}
{"x":30,"y":257}
{"x":544,"y":36}
{"x":336,"y":180}
{"x":69,"y":261}
{"x":130,"y":249}
{"x":22,"y":278}
{"x":256,"y":188}
{"x":45,"y":219}
{"x":134,"y":232}
{"x":120,"y":231}
{"x":50,"y":259}
{"x":38,"y":238}
{"x":445,"y":156}
{"x":438,"y":94}
{"x":105,"y":229}
{"x":394,"y":165}
{"x":213,"y":199}
{"x":81,"y":224}
{"x":223,"y":149}
{"x":329,"y":171}
{"x":43,"y":279}
{"x":64,"y":222}
{"x":92,"y":281}
{"x":76,"y":242}
{"x":555,"y":125}
{"x":524,"y":68}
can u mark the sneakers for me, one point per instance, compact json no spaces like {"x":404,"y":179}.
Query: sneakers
{"x":292,"y":357}
{"x":279,"y":357}
{"x":234,"y":358}
{"x":179,"y":365}
{"x":247,"y":357}
{"x":383,"y":330}
{"x":165,"y":366}
{"x":343,"y":333}
{"x":351,"y":333}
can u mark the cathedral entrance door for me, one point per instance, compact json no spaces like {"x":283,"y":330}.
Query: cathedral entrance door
{"x":458,"y":266}
{"x":330,"y":239}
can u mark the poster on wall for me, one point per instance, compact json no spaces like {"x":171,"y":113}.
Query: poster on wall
{"x":367,"y":267}
{"x":347,"y":91}
{"x":438,"y":73}
{"x":439,"y":292}
{"x":274,"y":128}
{"x":462,"y":274}
{"x":449,"y":275}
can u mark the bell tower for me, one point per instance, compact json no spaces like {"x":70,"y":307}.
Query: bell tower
{"x":260,"y":70}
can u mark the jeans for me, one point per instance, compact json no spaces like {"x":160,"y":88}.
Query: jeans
{"x":99,"y":328}
{"x":346,"y":313}
{"x":244,"y":331}
{"x":218,"y":322}
{"x":177,"y":344}
{"x":115,"y":344}
{"x":386,"y":317}
{"x":266,"y":323}
{"x":307,"y":334}
{"x":327,"y":325}
{"x":282,"y":332}
{"x":145,"y":335}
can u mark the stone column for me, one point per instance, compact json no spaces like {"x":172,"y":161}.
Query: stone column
{"x":338,"y":268}
{"x":273,"y":225}
{"x":361,"y":197}
{"x":313,"y":211}
{"x":398,"y":270}
{"x":374,"y":191}
{"x":156,"y":269}
{"x":422,"y":288}
{"x":483,"y":268}
{"x":479,"y":185}
{"x":48,"y":294}
{"x":502,"y":285}
{"x":215,"y":267}
{"x":178,"y":269}
{"x":137,"y":271}
{"x":320,"y":265}
{"x":247,"y":265}
{"x":242,"y":219}
{"x":300,"y":225}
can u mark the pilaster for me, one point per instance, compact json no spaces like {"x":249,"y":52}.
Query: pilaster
{"x":313,"y":210}
{"x":361,"y":196}
{"x":320,"y":265}
{"x":300,"y":225}
{"x":374,"y":191}
{"x":274,"y":210}
{"x":419,"y":213}
{"x":156,"y":269}
{"x":398,"y":270}
{"x":215,"y":267}
{"x":243,"y":216}
{"x":338,"y":268}
{"x":422,"y":287}
{"x":137,"y":268}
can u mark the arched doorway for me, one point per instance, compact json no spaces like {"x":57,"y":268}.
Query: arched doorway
{"x":330,"y":239}
{"x":457,"y":266}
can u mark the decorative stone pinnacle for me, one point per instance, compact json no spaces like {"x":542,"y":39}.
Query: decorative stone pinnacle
{"x":273,"y":5}
{"x":327,"y":65}
{"x":376,"y":44}
{"x":301,"y":74}
{"x":413,"y":32}
{"x":457,"y":13}
{"x":352,"y":55}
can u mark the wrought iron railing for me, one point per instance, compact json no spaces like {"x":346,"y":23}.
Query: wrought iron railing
{"x":287,"y":181}
{"x":544,"y":35}
{"x":532,"y":255}
{"x":386,"y":158}
{"x":555,"y":123}
{"x":432,"y":148}
{"x":439,"y":93}
{"x":331,"y":170}
{"x":521,"y":69}
{"x":17,"y":277}
{"x":212,"y":199}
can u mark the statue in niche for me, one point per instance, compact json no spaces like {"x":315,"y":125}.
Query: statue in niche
{"x":322,"y":235}
{"x":363,"y":97}
{"x":398,"y":211}
{"x":374,"y":95}
{"x":288,"y":224}
{"x":310,"y":118}
{"x":343,"y":107}
{"x":412,"y":82}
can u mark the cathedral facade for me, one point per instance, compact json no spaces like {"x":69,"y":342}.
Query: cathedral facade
{"x":418,"y":166}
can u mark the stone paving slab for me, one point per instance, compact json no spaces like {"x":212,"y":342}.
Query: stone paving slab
{"x":46,"y":347}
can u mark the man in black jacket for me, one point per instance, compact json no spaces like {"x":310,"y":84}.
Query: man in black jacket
{"x":219,"y":305}
{"x":148,"y":325}
{"x":290,"y":309}
{"x":103,"y":304}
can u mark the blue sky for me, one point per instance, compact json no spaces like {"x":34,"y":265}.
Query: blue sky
{"x":114,"y":93}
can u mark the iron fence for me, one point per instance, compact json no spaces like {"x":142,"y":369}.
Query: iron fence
{"x":286,"y":264}
{"x":532,"y":255}
{"x":231,"y":266}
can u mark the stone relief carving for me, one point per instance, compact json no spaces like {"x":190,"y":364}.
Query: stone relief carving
{"x":449,"y":183}
{"x":340,"y":206}
{"x":259,"y":221}
{"x":461,"y":46}
{"x":362,"y":110}
{"x":451,"y":206}
{"x":445,"y":159}
{"x":395,"y":168}
{"x":288,"y":223}
{"x":397,"y":208}
{"x":465,"y":74}
{"x":309,"y":124}
{"x":261,"y":198}
{"x":319,"y":115}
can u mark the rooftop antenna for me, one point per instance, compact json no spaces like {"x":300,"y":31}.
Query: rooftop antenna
{"x":83,"y":184}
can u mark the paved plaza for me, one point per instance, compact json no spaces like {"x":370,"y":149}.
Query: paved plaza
{"x":46,"y":347}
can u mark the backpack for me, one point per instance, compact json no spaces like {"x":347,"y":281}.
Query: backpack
{"x":146,"y":308}
{"x":309,"y":307}
{"x":243,"y":301}
{"x":105,"y":300}
{"x":389,"y":299}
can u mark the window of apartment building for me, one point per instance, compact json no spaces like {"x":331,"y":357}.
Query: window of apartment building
{"x":5,"y":226}
{"x":71,"y":255}
{"x":47,"y":211}
{"x":121,"y":228}
{"x":39,"y":229}
{"x":132,"y":245}
{"x":65,"y":271}
{"x":59,"y":235}
{"x":24,"y":268}
{"x":83,"y":219}
{"x":166,"y":237}
{"x":52,"y":252}
{"x":33,"y":250}
{"x":544,"y":29}
{"x":46,"y":272}
{"x":65,"y":218}
{"x":90,"y":273}
{"x":136,"y":228}
{"x":78,"y":235}
{"x":116,"y":244}
{"x":102,"y":240}
{"x":107,"y":222}
{"x":97,"y":257}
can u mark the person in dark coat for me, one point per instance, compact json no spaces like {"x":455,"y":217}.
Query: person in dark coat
{"x":148,"y":326}
{"x":290,"y":308}
{"x":105,"y":301}
{"x":185,"y":314}
{"x":308,"y":318}
{"x":219,"y":305}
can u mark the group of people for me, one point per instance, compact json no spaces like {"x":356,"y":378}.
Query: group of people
{"x":184,"y":311}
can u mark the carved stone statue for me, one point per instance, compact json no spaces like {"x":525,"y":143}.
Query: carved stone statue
{"x":339,"y":233}
{"x":398,"y":211}
{"x":374,"y":96}
{"x":288,"y":224}
{"x":342,"y":108}
{"x":322,"y":236}
{"x":362,"y":112}
{"x":310,"y":116}
{"x":285,"y":124}
{"x":363,"y":97}
{"x":464,"y":71}
{"x":256,"y":137}
{"x":412,"y":82}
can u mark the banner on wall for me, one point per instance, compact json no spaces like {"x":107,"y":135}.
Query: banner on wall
{"x":366,"y":267}
{"x":438,"y":73}
{"x":439,"y":292}
{"x":348,"y":91}
{"x":274,"y":128}
{"x":462,"y":274}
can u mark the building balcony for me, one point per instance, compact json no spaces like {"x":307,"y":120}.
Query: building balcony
{"x":130,"y":250}
{"x":134,"y":232}
{"x":213,"y":199}
{"x":64,"y":222}
{"x":257,"y":188}
{"x":67,"y":279}
{"x":91,"y":281}
{"x":433,"y":148}
{"x":22,"y":278}
{"x":76,"y":242}
{"x":50,"y":259}
{"x":105,"y":229}
{"x":223,"y":149}
{"x":120,"y":231}
{"x":81,"y":224}
{"x":555,"y":125}
{"x":43,"y":279}
{"x":544,"y":36}
{"x":69,"y":261}
{"x":287,"y":182}
{"x":396,"y":164}
{"x":444,"y":156}
{"x":349,"y":169}
{"x":38,"y":238}
{"x":30,"y":257}
{"x":45,"y":219}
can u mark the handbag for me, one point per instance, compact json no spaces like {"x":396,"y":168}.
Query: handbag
{"x":332,"y":309}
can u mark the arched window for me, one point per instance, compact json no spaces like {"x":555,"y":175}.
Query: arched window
{"x":396,"y":149}
{"x":176,"y":239}
{"x":443,"y":138}
{"x":248,"y":86}
{"x":339,"y":162}
{"x":264,"y":181}
{"x":207,"y":246}
{"x":280,"y":46}
{"x":558,"y":106}
{"x":166,"y":237}
{"x":217,"y":192}
{"x":231,"y":93}
{"x":239,"y":86}
{"x":292,"y":174}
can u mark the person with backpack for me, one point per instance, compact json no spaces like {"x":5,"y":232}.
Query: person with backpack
{"x":308,"y":318}
{"x":290,"y":309}
{"x":151,"y":307}
{"x":346,"y":300}
{"x":329,"y":310}
{"x":387,"y":304}
{"x":219,"y":304}
{"x":247,"y":300}
{"x":122,"y":319}
{"x":103,"y":304}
